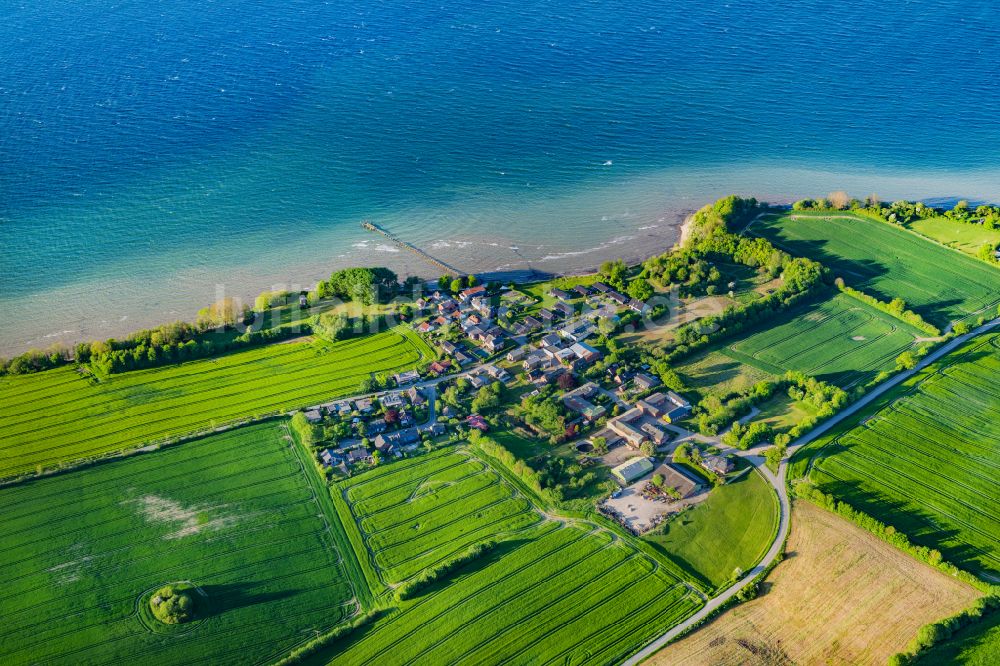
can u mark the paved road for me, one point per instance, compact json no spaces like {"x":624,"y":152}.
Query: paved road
{"x":755,"y":458}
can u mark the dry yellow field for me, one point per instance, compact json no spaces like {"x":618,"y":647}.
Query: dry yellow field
{"x":841,"y":597}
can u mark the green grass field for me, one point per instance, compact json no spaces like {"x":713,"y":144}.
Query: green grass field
{"x":927,"y":459}
{"x":232,"y":513}
{"x":732,"y":528}
{"x":960,"y":235}
{"x":715,"y":373}
{"x":940,"y":284}
{"x":416,"y":513}
{"x":838,"y":340}
{"x":551,"y":591}
{"x":60,"y":416}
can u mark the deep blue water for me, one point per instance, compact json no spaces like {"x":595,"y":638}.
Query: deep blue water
{"x":151,"y":150}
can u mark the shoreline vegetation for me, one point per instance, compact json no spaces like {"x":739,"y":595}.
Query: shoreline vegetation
{"x":229,"y":324}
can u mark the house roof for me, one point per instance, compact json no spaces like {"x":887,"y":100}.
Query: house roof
{"x":679,"y":479}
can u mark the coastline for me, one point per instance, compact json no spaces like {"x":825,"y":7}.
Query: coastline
{"x":490,"y":258}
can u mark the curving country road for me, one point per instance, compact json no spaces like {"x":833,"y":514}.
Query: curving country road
{"x":755,"y":458}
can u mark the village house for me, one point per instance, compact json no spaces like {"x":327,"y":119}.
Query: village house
{"x":560,"y":294}
{"x":497,"y":373}
{"x":600,"y":287}
{"x":425,"y":327}
{"x":535,"y":359}
{"x":357,"y":455}
{"x":447,"y":306}
{"x":434,"y":429}
{"x":466,"y":294}
{"x":408,"y":377}
{"x":638,"y":306}
{"x":582,"y":290}
{"x":439,"y":367}
{"x":329,"y":458}
{"x":478,"y":422}
{"x":314,"y":416}
{"x":717,"y":464}
{"x":564,"y":309}
{"x":546,"y":315}
{"x":533,"y":323}
{"x":493,"y":343}
{"x":585,"y":352}
{"x":617,"y":298}
{"x":416,"y":396}
{"x":449,"y":347}
{"x":645,"y":382}
{"x":363,"y":405}
{"x":515,"y":355}
{"x":391,"y":400}
{"x":463,"y":358}
{"x":551,"y":340}
{"x":565,"y":355}
{"x":400,"y":438}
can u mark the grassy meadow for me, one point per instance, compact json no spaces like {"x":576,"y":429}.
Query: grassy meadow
{"x":838,"y":340}
{"x":732,"y":528}
{"x":960,"y":235}
{"x":926,"y":460}
{"x":232,"y":513}
{"x":61,"y":416}
{"x":938,"y":283}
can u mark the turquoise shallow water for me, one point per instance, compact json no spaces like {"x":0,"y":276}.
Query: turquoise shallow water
{"x":154,"y":156}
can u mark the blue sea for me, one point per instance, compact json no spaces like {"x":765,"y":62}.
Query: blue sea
{"x":156,"y":155}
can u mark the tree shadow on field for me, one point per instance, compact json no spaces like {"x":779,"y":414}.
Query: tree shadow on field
{"x":231,"y":596}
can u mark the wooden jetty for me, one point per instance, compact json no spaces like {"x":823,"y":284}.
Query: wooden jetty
{"x":410,"y":248}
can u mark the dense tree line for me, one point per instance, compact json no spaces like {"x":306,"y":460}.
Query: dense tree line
{"x":521,"y":469}
{"x":896,"y":307}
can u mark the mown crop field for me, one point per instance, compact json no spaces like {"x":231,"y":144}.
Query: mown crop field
{"x":843,"y":596}
{"x":839,"y":340}
{"x":927,"y":461}
{"x":554,"y":594}
{"x":940,"y":284}
{"x":232,"y":513}
{"x":731,"y":529}
{"x":416,"y":513}
{"x":715,"y":373}
{"x":60,"y":416}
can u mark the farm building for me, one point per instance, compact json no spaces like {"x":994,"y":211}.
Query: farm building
{"x":678,"y":479}
{"x":627,"y":426}
{"x":630,"y":470}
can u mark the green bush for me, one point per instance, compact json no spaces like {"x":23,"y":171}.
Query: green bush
{"x":174,"y":604}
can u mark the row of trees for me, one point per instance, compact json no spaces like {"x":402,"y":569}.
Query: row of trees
{"x":896,"y":307}
{"x":457,"y":284}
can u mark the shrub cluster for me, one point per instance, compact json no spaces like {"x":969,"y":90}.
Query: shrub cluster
{"x":524,"y":471}
{"x":411,"y":587}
